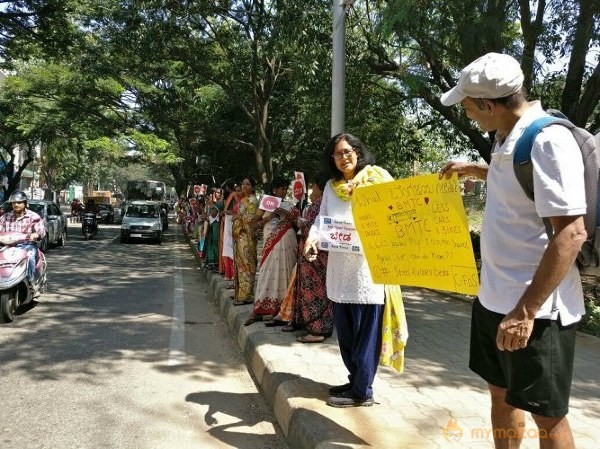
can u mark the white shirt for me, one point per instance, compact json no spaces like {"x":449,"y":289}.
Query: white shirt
{"x":513,"y":236}
{"x":348,"y":276}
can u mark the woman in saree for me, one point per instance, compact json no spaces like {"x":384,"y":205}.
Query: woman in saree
{"x":229,"y":210}
{"x":211,"y":240}
{"x":245,"y":245}
{"x":311,"y":307}
{"x":279,"y":254}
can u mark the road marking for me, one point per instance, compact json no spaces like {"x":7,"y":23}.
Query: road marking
{"x":177,"y":342}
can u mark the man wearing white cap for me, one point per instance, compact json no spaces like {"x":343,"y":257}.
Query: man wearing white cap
{"x":530,"y":300}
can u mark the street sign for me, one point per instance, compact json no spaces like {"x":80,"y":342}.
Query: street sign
{"x":197,"y":189}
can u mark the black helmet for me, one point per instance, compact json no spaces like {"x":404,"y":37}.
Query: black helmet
{"x":17,"y":197}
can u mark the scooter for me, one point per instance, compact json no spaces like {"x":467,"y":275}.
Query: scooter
{"x":89,"y":225}
{"x":16,"y":290}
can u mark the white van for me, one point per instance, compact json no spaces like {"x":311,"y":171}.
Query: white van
{"x":142,"y":220}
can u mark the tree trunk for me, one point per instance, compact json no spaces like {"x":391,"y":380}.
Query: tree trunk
{"x":571,"y":103}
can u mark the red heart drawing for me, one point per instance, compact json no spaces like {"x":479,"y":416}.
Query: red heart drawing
{"x":426,"y":200}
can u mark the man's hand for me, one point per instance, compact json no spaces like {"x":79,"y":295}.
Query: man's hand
{"x":34,"y":236}
{"x":514,"y":331}
{"x":463,"y":169}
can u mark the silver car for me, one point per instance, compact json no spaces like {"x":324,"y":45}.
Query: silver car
{"x":142,"y":220}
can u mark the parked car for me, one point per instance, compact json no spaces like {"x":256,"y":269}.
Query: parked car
{"x":106,"y":213}
{"x":142,"y":220}
{"x":54,"y":221}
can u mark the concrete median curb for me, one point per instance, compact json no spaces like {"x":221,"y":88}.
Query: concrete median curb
{"x":278,"y":388}
{"x":412,"y":410}
{"x":280,"y":365}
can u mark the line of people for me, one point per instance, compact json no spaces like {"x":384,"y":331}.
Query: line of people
{"x":524,"y":319}
{"x":228,"y":228}
{"x":296,"y":288}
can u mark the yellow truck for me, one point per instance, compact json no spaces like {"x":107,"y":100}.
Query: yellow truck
{"x":99,"y":197}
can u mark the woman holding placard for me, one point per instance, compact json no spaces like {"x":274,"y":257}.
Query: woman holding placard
{"x":358,"y":302}
{"x":244,"y":247}
{"x":279,"y":253}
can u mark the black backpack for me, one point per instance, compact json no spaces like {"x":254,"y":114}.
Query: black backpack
{"x":588,"y":258}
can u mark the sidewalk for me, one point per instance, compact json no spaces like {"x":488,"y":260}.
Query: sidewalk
{"x":436,"y":403}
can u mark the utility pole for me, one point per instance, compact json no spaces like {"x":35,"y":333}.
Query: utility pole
{"x":338,"y":75}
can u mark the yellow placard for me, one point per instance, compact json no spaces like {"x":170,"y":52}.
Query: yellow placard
{"x":414,"y":232}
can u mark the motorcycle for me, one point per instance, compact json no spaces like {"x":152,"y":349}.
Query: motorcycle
{"x":16,"y":290}
{"x":89,"y":225}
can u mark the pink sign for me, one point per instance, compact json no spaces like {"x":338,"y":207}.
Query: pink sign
{"x":269,"y":203}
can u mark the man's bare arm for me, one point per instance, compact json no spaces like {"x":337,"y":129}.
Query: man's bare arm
{"x":569,"y":234}
{"x":464,"y":169}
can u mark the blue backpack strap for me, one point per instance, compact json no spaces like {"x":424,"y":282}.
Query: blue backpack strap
{"x":522,"y":158}
{"x":522,"y":153}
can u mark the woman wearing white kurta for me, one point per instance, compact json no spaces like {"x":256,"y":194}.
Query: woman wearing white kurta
{"x":358,"y":302}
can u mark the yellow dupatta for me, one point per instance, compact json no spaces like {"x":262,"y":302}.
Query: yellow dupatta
{"x":394,"y":329}
{"x":371,"y":174}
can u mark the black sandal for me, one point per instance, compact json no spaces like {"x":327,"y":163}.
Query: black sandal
{"x":275,"y":323}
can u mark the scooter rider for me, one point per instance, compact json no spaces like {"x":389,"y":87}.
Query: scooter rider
{"x":21,"y":219}
{"x":90,"y":208}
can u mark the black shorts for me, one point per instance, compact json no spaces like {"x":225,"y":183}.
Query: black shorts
{"x":538,"y":377}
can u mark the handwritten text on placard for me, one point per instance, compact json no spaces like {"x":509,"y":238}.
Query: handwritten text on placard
{"x":414,"y":232}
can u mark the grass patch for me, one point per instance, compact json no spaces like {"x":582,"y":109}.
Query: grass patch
{"x":590,"y":324}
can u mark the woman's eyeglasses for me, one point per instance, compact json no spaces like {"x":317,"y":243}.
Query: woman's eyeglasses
{"x":345,"y":154}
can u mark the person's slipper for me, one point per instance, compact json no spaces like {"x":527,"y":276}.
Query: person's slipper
{"x":311,"y":339}
{"x":252,"y":320}
{"x":242,"y":303}
{"x":288,"y":328}
{"x":275,"y":323}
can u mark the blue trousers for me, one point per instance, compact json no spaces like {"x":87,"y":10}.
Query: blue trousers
{"x":358,"y":328}
{"x":32,"y":258}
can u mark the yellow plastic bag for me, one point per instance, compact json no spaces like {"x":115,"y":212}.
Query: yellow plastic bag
{"x":394,"y":329}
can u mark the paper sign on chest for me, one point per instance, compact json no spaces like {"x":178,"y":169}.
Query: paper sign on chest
{"x":338,"y":235}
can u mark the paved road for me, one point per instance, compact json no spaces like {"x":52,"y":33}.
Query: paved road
{"x":436,"y":403}
{"x":125,"y":352}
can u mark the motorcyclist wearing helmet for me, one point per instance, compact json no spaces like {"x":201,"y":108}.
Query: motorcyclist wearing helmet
{"x":21,"y":219}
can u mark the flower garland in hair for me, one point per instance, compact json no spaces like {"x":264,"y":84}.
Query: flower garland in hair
{"x":369,"y":175}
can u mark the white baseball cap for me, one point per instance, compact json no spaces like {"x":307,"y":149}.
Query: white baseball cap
{"x":493,"y":75}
